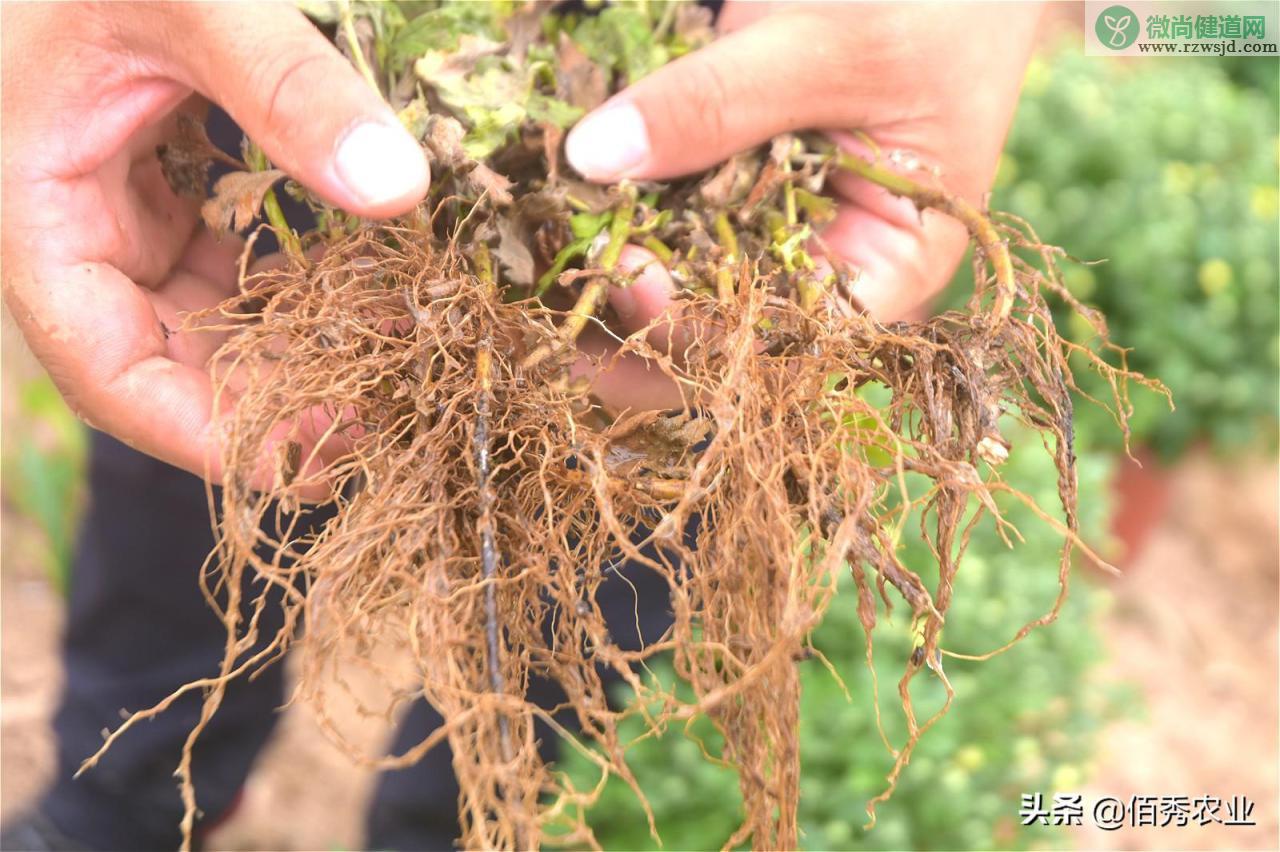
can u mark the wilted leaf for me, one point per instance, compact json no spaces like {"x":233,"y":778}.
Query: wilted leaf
{"x":694,"y":25}
{"x":439,"y":65}
{"x":441,"y":29}
{"x":523,"y":28}
{"x":185,"y":160}
{"x":725,"y":186}
{"x":444,"y":137}
{"x":237,"y":197}
{"x":415,"y":117}
{"x":591,"y":197}
{"x":513,"y":252}
{"x":485,"y":181}
{"x":580,"y":82}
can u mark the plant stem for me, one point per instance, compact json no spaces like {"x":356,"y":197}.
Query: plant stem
{"x":659,"y":248}
{"x":619,"y":233}
{"x":728,"y":242}
{"x":980,"y":227}
{"x":594,"y":291}
{"x":488,"y":538}
{"x":348,"y":24}
{"x":289,"y":241}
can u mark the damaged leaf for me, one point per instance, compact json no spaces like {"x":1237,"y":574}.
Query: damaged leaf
{"x":621,"y":38}
{"x":185,"y":160}
{"x":579,"y":81}
{"x":237,"y":198}
{"x":513,"y":252}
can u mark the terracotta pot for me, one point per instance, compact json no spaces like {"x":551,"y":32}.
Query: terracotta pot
{"x":1142,"y":493}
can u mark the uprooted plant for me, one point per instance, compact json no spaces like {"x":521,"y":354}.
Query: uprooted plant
{"x":483,"y":492}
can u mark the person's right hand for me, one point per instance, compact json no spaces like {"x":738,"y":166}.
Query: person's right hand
{"x":99,"y":257}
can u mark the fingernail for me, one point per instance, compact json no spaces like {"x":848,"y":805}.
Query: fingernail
{"x":379,"y":162}
{"x":608,"y":143}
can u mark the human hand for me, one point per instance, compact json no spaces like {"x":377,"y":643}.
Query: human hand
{"x":99,"y":257}
{"x":937,"y":81}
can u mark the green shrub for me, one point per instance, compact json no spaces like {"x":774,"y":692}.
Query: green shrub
{"x":1022,"y":721}
{"x":1168,"y":170}
{"x":43,"y":472}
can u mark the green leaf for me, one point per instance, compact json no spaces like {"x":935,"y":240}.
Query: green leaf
{"x":585,"y":226}
{"x":621,"y":38}
{"x":577,"y":248}
{"x":442,"y":28}
{"x":544,"y":108}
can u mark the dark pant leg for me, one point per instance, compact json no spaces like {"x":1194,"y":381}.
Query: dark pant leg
{"x":138,"y":627}
{"x":417,"y":808}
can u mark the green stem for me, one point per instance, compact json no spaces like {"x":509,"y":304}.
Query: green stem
{"x":727,"y":237}
{"x":348,"y":23}
{"x":982,"y":230}
{"x":289,"y":241}
{"x":619,"y":233}
{"x":659,"y":248}
{"x":729,"y":243}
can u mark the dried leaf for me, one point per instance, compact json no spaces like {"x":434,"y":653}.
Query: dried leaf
{"x":552,"y":136}
{"x":771,"y":179}
{"x":513,"y":252}
{"x":523,"y":29}
{"x":591,"y":197}
{"x":446,"y":147}
{"x":542,"y":205}
{"x":579,"y":81}
{"x":453,"y":74}
{"x":185,"y":160}
{"x":365,"y":38}
{"x":237,"y":197}
{"x":694,"y":24}
{"x":732,"y":182}
{"x":485,"y":181}
{"x":444,"y":137}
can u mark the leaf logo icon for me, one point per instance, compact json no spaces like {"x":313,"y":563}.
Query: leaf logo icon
{"x":1116,"y":27}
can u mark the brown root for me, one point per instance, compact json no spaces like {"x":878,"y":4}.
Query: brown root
{"x":479,"y":495}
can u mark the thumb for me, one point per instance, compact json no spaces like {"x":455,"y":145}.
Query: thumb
{"x":303,"y":103}
{"x":731,"y":95}
{"x":649,"y":297}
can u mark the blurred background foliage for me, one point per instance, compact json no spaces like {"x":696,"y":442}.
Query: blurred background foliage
{"x":1165,"y":168}
{"x":1166,"y":171}
{"x":42,"y":467}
